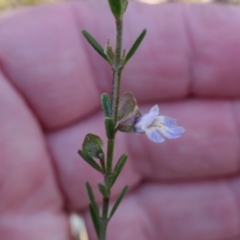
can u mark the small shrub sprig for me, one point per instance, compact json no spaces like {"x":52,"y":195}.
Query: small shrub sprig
{"x":121,"y":113}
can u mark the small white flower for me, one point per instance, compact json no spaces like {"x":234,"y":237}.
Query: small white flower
{"x":156,"y":126}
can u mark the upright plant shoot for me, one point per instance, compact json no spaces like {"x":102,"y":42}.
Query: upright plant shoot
{"x":121,"y":113}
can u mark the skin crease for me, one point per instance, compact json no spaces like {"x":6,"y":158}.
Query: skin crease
{"x":50,"y":83}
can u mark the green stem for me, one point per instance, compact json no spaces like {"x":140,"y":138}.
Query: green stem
{"x":110,"y":150}
{"x":117,"y":70}
{"x":104,"y":219}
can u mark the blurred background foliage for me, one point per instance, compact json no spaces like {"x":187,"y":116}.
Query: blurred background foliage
{"x":9,"y":4}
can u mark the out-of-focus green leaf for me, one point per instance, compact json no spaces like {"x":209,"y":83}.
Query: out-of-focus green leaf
{"x":115,"y":206}
{"x":118,"y":168}
{"x":92,"y":198}
{"x":103,"y":190}
{"x":95,"y":219}
{"x":135,"y":46}
{"x":92,"y":145}
{"x":93,"y":42}
{"x":106,"y":104}
{"x":90,"y":161}
{"x":110,"y":127}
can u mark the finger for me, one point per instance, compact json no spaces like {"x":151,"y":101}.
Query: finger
{"x":50,"y":67}
{"x":209,"y":148}
{"x":45,"y":56}
{"x":185,"y":211}
{"x":73,"y":171}
{"x":31,"y":203}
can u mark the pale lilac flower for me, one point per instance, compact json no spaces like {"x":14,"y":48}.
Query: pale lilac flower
{"x":156,"y":126}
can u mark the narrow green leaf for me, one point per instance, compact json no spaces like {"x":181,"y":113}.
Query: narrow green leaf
{"x":101,"y":157}
{"x":92,"y":145}
{"x":118,"y":201}
{"x":124,"y":5}
{"x":103,"y":190}
{"x":118,"y":168}
{"x":135,"y":46}
{"x":124,"y":53}
{"x":92,"y":198}
{"x":95,"y":220}
{"x":106,"y":104}
{"x":93,"y":42}
{"x":90,"y":161}
{"x":110,"y":127}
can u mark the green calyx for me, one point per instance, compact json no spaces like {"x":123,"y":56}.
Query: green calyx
{"x":118,"y":7}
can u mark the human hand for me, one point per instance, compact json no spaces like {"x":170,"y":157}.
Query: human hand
{"x":50,"y":86}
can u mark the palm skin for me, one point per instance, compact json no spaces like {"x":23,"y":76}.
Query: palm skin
{"x":50,"y":83}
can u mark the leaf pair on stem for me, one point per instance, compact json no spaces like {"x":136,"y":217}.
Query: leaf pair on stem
{"x":107,"y":52}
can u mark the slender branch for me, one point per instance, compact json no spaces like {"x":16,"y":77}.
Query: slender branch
{"x":117,"y":70}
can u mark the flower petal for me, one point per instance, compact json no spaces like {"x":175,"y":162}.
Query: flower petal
{"x":154,"y":135}
{"x":163,"y":120}
{"x":171,"y":132}
{"x":154,"y":110}
{"x":142,"y":122}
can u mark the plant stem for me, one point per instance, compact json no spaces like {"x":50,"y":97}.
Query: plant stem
{"x":110,"y":150}
{"x":117,"y":70}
